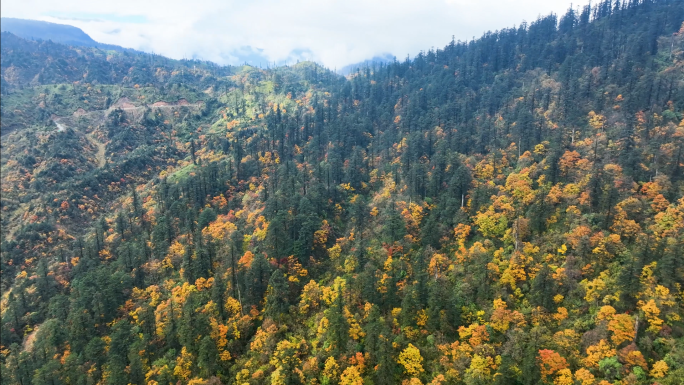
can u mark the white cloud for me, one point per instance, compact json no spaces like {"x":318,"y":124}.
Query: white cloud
{"x":332,"y":32}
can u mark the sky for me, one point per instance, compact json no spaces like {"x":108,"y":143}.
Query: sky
{"x":334,"y":33}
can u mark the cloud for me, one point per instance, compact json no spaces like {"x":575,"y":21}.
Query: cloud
{"x":332,"y":32}
{"x":81,"y":16}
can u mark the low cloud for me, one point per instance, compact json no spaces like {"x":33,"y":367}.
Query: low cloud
{"x":332,"y":32}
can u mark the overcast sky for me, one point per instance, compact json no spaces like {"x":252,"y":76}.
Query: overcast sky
{"x":332,"y":32}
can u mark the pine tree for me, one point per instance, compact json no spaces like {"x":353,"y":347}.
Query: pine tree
{"x":277,"y":305}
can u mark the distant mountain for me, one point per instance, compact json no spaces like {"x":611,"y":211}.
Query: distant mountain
{"x":58,"y":33}
{"x":384,"y":58}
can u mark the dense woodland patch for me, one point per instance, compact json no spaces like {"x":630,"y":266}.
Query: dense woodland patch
{"x":507,"y":210}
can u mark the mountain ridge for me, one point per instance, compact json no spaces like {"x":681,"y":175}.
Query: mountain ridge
{"x":58,"y":33}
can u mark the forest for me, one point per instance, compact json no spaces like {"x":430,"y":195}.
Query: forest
{"x":504,"y":210}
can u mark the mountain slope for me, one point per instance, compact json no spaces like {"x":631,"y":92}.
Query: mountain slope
{"x":375,"y":61}
{"x":508,"y":210}
{"x":43,"y":30}
{"x":27,"y":65}
{"x":58,"y":33}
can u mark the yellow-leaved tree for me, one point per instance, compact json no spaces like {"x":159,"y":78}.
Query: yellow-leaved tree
{"x":411,"y":360}
{"x":351,"y":376}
